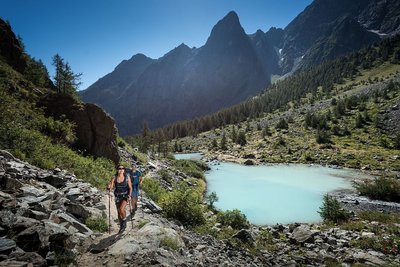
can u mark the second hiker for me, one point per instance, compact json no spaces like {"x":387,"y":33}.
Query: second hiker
{"x":136,"y":180}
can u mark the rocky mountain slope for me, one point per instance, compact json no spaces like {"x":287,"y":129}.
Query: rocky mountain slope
{"x":369,"y":144}
{"x":232,"y":66}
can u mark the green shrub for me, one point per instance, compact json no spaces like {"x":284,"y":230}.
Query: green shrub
{"x":332,"y":211}
{"x":323,"y":137}
{"x":193,"y":168}
{"x":97,"y":224}
{"x":282,"y":124}
{"x":234,"y":218}
{"x":165,"y":175}
{"x":381,"y":188}
{"x":153,"y":189}
{"x":121,"y":142}
{"x":183,"y":204}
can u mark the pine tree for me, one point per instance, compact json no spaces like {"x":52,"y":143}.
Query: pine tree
{"x":146,"y":140}
{"x":214,"y":143}
{"x":223,"y":142}
{"x":266,"y":132}
{"x":359,"y":121}
{"x":234,"y":134}
{"x":241,"y":140}
{"x":65,"y":80}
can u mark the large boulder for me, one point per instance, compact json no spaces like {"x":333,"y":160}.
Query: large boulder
{"x":95,"y":130}
{"x":302,"y":234}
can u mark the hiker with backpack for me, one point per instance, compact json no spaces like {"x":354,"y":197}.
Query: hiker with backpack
{"x":137,"y":181}
{"x":121,"y":183}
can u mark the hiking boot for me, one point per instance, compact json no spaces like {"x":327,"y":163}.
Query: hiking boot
{"x":122,"y":226}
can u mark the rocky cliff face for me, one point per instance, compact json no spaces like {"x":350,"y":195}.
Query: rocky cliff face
{"x":10,"y":47}
{"x":95,"y":130}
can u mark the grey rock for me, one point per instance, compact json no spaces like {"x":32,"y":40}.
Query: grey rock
{"x":78,"y":211}
{"x":6,"y":245}
{"x":150,"y":204}
{"x":31,"y":257}
{"x":245,"y":236}
{"x":21,"y":223}
{"x":14,"y":263}
{"x":29,"y":240}
{"x":368,"y":258}
{"x":32,"y":191}
{"x":60,"y":216}
{"x":302,"y":234}
{"x":10,"y":184}
{"x":7,"y":155}
{"x":55,"y":181}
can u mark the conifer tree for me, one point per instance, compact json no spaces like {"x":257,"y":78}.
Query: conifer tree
{"x":234,"y":134}
{"x":223,"y":142}
{"x":146,"y":140}
{"x":65,"y":80}
{"x":241,"y":139}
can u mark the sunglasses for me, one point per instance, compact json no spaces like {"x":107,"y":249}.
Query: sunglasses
{"x":120,"y":168}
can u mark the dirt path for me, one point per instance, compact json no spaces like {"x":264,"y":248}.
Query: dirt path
{"x":94,"y":252}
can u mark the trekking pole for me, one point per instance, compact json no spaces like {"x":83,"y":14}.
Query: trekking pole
{"x":109,"y":212}
{"x":130,"y":207}
{"x":141,"y":199}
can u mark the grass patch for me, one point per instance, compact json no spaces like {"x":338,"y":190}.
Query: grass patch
{"x":142,"y":223}
{"x":380,"y":217}
{"x":97,"y":224}
{"x":169,"y":243}
{"x":385,"y":245}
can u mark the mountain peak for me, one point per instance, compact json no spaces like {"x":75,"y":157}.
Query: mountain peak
{"x":227,"y":30}
{"x":231,"y":20}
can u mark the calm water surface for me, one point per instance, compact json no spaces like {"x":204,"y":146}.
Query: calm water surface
{"x":279,"y":193}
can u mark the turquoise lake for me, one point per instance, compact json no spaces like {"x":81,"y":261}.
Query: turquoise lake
{"x":278,"y":193}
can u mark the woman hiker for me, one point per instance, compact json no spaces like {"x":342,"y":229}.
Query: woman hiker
{"x":122,"y":193}
{"x":136,"y":180}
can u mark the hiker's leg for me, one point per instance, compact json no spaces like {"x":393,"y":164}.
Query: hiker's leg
{"x":122,"y":207}
{"x":134,"y":197}
{"x":134,"y":203}
{"x":118,"y":205}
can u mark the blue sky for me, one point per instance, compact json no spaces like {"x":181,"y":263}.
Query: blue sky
{"x":95,"y":36}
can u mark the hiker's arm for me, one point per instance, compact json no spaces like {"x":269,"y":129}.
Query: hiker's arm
{"x":140,"y":180}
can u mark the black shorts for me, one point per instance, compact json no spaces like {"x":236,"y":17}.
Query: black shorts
{"x":119,"y":198}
